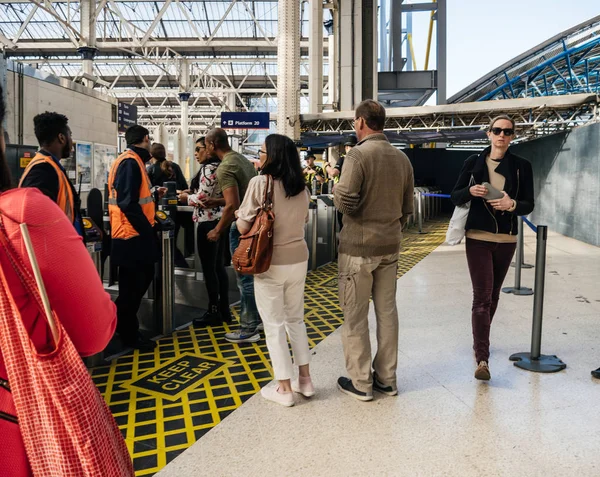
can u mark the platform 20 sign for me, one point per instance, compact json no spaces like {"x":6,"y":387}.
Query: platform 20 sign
{"x":178,"y":376}
{"x":245,"y":120}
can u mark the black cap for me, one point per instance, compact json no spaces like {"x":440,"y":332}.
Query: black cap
{"x":351,"y":141}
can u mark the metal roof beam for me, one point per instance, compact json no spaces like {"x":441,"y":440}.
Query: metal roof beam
{"x":61,"y":47}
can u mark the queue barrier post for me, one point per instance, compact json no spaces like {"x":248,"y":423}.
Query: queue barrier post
{"x":517,"y":289}
{"x":534,"y":360}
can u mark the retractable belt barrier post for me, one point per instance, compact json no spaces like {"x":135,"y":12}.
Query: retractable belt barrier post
{"x":534,"y":360}
{"x":520,"y":256}
{"x":518,"y":289}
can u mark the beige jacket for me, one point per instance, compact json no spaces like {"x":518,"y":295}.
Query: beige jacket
{"x":375,"y":194}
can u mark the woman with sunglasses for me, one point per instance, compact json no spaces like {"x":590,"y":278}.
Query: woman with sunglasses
{"x":207,"y":199}
{"x":280,"y":290}
{"x":491,"y":229}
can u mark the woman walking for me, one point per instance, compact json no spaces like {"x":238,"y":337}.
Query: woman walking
{"x":491,"y":228}
{"x":212,"y":254}
{"x":280,"y":290}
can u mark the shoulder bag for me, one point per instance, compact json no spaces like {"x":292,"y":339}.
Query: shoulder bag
{"x":66,"y":427}
{"x":456,"y":228}
{"x":253,"y":255}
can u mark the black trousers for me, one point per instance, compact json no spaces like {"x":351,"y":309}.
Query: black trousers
{"x":133,"y":284}
{"x":212,"y":258}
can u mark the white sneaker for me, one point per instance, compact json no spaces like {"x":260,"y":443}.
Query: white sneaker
{"x":272,"y":394}
{"x":306,"y":389}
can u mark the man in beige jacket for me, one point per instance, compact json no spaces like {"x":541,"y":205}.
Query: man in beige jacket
{"x":375,"y":194}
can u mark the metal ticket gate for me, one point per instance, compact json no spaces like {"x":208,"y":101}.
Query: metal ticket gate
{"x":310,"y":234}
{"x":326,"y":230}
{"x":93,"y":241}
{"x":164,"y":285}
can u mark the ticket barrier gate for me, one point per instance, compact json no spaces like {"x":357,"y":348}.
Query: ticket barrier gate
{"x":164,"y":282}
{"x":310,"y":234}
{"x":326,"y":230}
{"x":93,"y":241}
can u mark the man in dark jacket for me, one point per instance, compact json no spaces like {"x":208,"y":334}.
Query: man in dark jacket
{"x":46,"y":172}
{"x":135,"y":247}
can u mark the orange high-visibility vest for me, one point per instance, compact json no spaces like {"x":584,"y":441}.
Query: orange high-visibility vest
{"x":121,"y":228}
{"x":65,"y":199}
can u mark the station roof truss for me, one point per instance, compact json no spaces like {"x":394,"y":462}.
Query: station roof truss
{"x":466,"y":123}
{"x":143,"y":46}
{"x":568,"y":63}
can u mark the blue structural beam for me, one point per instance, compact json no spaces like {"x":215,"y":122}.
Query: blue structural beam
{"x":570,"y":71}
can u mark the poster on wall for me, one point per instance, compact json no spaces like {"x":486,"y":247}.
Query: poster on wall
{"x":69,"y":164}
{"x":104,"y":156}
{"x":83,"y":165}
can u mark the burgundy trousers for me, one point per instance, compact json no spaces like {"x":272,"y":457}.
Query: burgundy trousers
{"x":488,"y":266}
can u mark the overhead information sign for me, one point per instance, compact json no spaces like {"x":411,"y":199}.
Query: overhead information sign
{"x":176,"y":377}
{"x":127,"y":116}
{"x":245,"y":120}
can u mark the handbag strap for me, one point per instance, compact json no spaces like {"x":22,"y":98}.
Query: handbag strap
{"x":268,"y":197}
{"x":28,"y":281}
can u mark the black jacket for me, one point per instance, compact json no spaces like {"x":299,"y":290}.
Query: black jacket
{"x":144,"y":248}
{"x":519,"y":186}
{"x":158,"y":176}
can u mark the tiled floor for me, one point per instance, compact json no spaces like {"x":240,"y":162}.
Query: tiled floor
{"x":444,"y":422}
{"x":165,"y":400}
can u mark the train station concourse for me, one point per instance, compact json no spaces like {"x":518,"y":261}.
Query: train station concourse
{"x":410,"y":214}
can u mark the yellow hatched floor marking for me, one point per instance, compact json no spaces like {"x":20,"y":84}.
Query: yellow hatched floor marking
{"x":156,"y":430}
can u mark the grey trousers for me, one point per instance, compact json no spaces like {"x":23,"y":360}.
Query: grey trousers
{"x":358,"y":279}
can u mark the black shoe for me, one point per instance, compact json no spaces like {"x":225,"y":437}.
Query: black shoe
{"x":345,"y":385}
{"x":226,"y":316}
{"x":380,"y":388}
{"x":596,"y":373}
{"x":141,"y":343}
{"x":211,"y":318}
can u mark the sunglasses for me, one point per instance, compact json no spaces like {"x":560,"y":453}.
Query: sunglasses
{"x":507,"y":131}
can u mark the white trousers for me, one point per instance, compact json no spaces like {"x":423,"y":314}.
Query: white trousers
{"x":279,"y":296}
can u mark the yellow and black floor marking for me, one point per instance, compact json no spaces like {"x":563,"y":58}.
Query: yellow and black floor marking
{"x":166,"y":400}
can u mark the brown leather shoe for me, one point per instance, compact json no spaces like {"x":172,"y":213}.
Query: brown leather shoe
{"x":483,"y":371}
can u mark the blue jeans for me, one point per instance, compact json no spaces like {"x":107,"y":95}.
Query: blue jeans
{"x":249,"y":317}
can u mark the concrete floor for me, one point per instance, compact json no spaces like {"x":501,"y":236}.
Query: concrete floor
{"x":444,"y":422}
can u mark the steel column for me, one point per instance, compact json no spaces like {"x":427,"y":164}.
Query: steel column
{"x":88,"y":37}
{"x":383,"y":45}
{"x":396,"y":34}
{"x":288,"y":68}
{"x":441,"y":32}
{"x":315,"y":55}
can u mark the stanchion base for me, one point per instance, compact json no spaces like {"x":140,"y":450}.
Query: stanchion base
{"x":523,"y":291}
{"x":543,"y":364}
{"x":523,"y":265}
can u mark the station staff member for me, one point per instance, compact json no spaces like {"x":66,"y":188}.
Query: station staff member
{"x":46,"y":173}
{"x":134,"y":243}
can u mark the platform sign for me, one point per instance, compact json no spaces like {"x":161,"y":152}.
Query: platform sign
{"x":126,"y":116}
{"x":245,"y":120}
{"x":174,"y":378}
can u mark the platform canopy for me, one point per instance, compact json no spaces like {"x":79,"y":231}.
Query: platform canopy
{"x":568,"y":63}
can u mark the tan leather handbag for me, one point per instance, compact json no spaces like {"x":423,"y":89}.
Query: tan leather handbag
{"x":255,"y":250}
